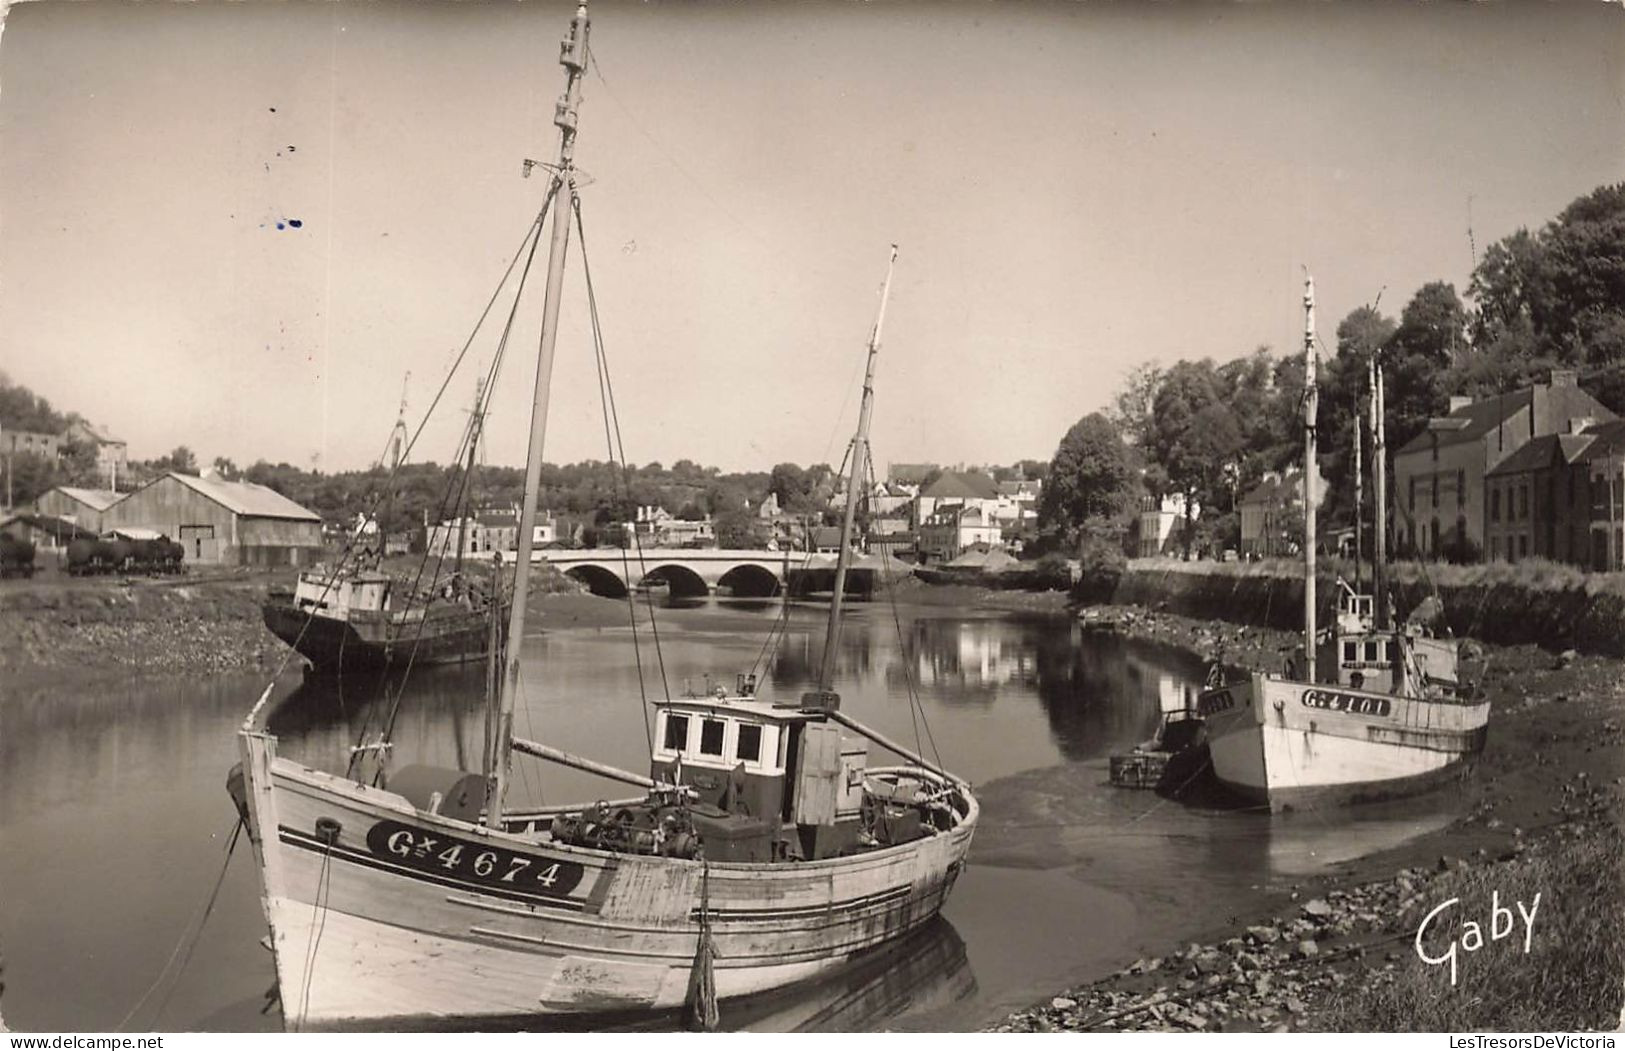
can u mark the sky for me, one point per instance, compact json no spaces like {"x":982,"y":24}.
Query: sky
{"x":1075,"y":189}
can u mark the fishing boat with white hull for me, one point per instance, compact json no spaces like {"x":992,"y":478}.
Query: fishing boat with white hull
{"x":763,"y":850}
{"x":1368,"y":710}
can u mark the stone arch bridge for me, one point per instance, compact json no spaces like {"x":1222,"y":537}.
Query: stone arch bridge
{"x":701,"y":571}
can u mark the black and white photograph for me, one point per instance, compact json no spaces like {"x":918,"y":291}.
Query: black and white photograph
{"x":892,"y":517}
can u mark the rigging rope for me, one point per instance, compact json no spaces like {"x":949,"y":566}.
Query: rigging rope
{"x":613,"y":419}
{"x":318,"y":912}
{"x":349,"y":548}
{"x":908,"y":665}
{"x":189,"y":941}
{"x":533,"y":236}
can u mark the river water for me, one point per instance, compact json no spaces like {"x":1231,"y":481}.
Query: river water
{"x":115,"y":823}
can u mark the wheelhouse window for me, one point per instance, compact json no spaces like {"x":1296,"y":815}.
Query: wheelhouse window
{"x":1351,"y":651}
{"x":711,"y":731}
{"x":676,"y":732}
{"x":748,"y":748}
{"x":1371,"y":651}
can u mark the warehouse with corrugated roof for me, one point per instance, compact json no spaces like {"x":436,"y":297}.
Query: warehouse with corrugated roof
{"x":221,"y":522}
{"x":83,"y":507}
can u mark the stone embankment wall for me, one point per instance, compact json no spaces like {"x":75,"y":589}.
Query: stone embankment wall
{"x":1548,"y":605}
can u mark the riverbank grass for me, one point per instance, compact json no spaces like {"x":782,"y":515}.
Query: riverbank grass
{"x":1571,"y":979}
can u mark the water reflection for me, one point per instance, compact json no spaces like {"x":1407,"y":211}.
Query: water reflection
{"x":114,"y":817}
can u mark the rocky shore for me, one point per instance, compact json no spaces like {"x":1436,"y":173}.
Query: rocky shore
{"x":1337,"y":953}
{"x":56,"y":626}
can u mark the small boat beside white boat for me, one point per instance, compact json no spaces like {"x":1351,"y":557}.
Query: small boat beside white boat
{"x":1367,"y":710}
{"x":761,"y":849}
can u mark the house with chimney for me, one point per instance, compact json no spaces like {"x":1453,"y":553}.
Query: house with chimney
{"x":1442,"y":501}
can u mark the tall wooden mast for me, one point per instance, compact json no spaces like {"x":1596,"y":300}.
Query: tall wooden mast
{"x":573,"y":57}
{"x":1311,"y":409}
{"x":826,"y":696}
{"x":1379,"y":495}
{"x":1359,"y":501}
{"x":463,"y":505}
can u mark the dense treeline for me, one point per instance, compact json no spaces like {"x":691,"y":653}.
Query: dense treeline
{"x":1209,"y":431}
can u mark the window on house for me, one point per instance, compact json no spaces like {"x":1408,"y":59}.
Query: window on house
{"x":1412,"y":494}
{"x":1461,"y":488}
{"x":677,"y":732}
{"x":1523,"y":545}
{"x":1435,"y":490}
{"x":749,"y":745}
{"x":1495,"y":504}
{"x":711,"y":737}
{"x":1523,"y":501}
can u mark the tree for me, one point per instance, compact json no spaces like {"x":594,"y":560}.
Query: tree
{"x":1418,"y":359}
{"x":1194,"y":437}
{"x":1556,"y":297}
{"x":737,"y":528}
{"x":1131,"y":408}
{"x":1343,"y":391}
{"x":1090,"y":480}
{"x":225,"y":467}
{"x":179,"y":459}
{"x":29,"y":476}
{"x":793,"y":486}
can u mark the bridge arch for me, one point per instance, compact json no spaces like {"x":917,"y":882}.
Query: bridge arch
{"x":750,"y":581}
{"x":684,"y":582}
{"x":599,"y":581}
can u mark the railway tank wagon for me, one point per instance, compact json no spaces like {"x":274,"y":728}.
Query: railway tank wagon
{"x":16,"y":556}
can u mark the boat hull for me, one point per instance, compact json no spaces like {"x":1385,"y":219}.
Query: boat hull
{"x":444,"y":636}
{"x":368,"y":928}
{"x":1289,"y":744}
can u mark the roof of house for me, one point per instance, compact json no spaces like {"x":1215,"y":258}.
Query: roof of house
{"x":95,"y":433}
{"x":1605,"y":438}
{"x":59,"y":528}
{"x":1275,"y":489}
{"x":1544,"y":451}
{"x":908,"y":472}
{"x":1471,"y":422}
{"x":245,"y":498}
{"x":826,"y":536}
{"x":97,"y":499}
{"x":965,"y":485}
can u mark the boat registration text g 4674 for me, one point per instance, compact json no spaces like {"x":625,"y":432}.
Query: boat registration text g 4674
{"x":441,"y":855}
{"x":1354,"y":704}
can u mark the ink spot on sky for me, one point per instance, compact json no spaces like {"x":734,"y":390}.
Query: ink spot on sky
{"x":290,"y":149}
{"x":280,"y":226}
{"x":273,"y":109}
{"x":296,"y":223}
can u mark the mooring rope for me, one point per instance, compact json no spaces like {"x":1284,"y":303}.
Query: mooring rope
{"x":186,"y":941}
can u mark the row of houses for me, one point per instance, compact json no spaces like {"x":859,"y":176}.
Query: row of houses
{"x":112,"y":454}
{"x":219,"y":522}
{"x":956,"y":511}
{"x":1537,"y":472}
{"x":1532,"y":473}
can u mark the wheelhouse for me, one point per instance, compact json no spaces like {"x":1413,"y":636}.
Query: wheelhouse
{"x":338,"y":597}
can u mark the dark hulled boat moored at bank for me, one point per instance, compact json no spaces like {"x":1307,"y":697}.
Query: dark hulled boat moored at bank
{"x":352,"y":621}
